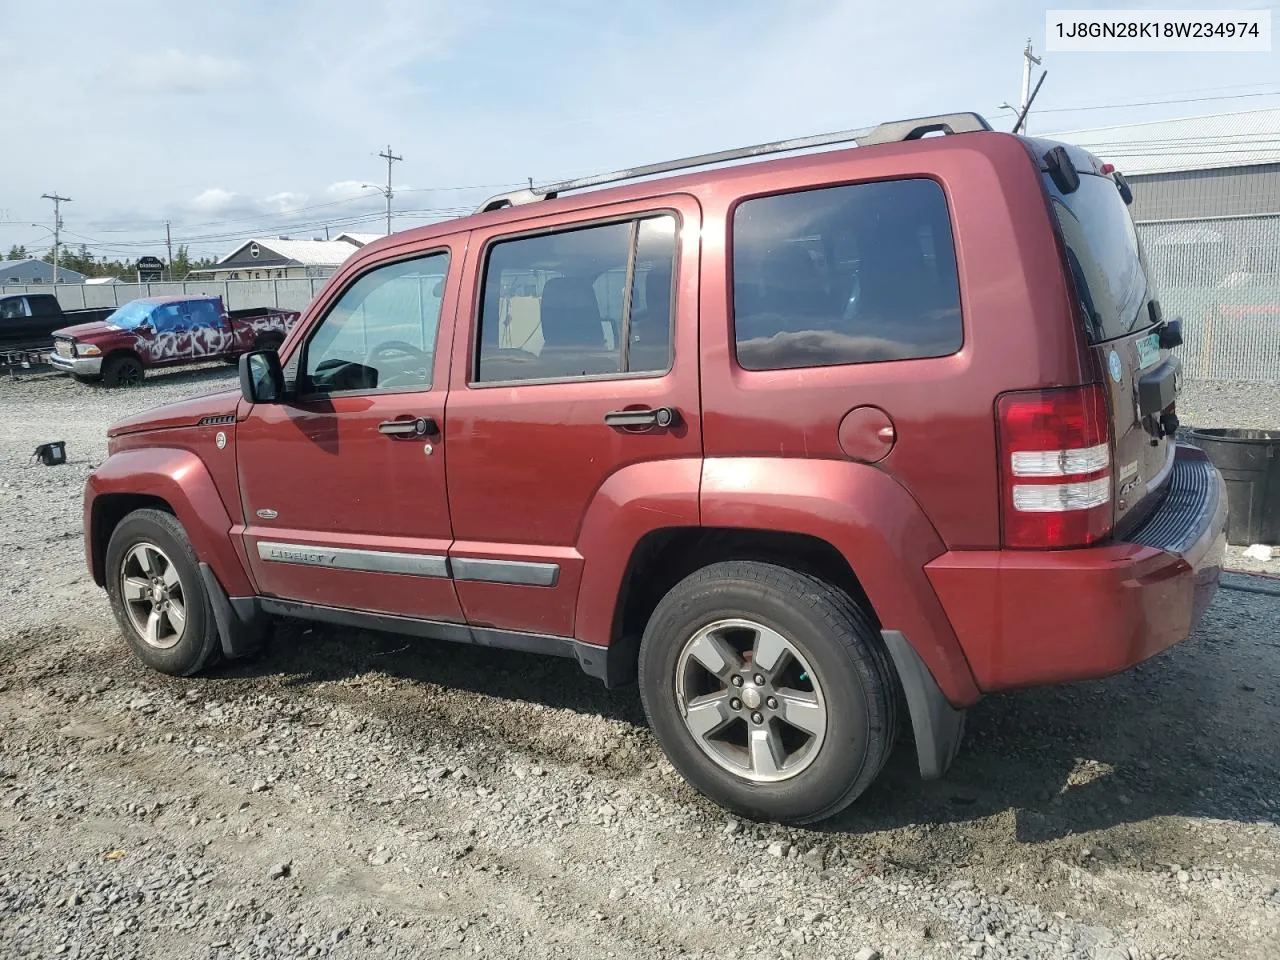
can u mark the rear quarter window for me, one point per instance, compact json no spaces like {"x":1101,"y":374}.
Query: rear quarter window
{"x":43,"y":305}
{"x":851,"y":274}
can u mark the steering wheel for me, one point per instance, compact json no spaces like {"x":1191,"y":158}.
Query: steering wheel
{"x":404,"y":378}
{"x":396,"y":346}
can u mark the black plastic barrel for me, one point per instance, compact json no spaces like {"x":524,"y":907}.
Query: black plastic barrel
{"x":1249,"y":461}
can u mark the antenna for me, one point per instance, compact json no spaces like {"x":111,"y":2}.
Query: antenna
{"x":1023,"y":115}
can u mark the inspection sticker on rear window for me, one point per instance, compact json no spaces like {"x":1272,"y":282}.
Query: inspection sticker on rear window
{"x":1148,"y":351}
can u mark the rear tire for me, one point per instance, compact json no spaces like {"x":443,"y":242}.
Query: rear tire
{"x":122,"y":370}
{"x":802,"y":745}
{"x":157,"y":595}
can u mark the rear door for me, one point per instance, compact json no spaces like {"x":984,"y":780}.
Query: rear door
{"x":578,"y":351}
{"x":1120,"y":314}
{"x":210,"y":330}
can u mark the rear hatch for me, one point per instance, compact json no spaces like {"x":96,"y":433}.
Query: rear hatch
{"x":1122,"y":323}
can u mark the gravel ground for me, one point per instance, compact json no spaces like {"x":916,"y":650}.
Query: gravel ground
{"x":357,"y":794}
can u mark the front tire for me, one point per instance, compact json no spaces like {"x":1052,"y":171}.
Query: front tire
{"x":769,"y":690}
{"x":157,"y":595}
{"x":122,"y":370}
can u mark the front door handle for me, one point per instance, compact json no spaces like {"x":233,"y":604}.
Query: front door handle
{"x":644,"y":418}
{"x":418,"y":427}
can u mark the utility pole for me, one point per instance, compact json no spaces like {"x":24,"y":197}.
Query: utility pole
{"x":1027,"y":60}
{"x":168,"y":245}
{"x":392,"y":158}
{"x":57,"y":226}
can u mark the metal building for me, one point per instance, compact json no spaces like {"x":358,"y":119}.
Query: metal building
{"x":1224,"y":165}
{"x":32,"y":270}
{"x":278,"y":258}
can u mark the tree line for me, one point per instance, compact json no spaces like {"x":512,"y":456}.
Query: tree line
{"x":82,"y":261}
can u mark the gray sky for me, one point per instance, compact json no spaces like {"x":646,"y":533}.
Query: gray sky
{"x":248,"y":118}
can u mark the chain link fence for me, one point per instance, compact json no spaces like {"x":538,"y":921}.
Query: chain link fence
{"x":1222,"y":276}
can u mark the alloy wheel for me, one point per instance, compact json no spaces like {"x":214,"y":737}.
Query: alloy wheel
{"x":153,"y":596}
{"x":751,"y":700}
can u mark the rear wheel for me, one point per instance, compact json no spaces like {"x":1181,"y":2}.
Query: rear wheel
{"x":157,"y":595}
{"x":770,"y":690}
{"x":122,"y":370}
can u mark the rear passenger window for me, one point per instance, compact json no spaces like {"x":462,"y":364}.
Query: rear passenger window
{"x":590,"y":302}
{"x":852,"y":274}
{"x":202,"y":314}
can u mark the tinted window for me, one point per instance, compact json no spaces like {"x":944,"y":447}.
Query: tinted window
{"x":1103,"y":254}
{"x":204,"y":313}
{"x":557,"y":306}
{"x":43,"y":305}
{"x":850,"y":274}
{"x":381,"y":334}
{"x":12,"y":308}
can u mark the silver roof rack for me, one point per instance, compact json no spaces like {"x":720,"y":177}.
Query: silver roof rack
{"x":894,"y":132}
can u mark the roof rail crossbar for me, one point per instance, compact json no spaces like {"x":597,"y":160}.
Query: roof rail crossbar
{"x":883,"y":133}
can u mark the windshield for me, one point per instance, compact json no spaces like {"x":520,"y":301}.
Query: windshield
{"x":131,"y":315}
{"x":1104,"y":255}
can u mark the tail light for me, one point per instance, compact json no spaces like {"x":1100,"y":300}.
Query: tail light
{"x":1055,"y":467}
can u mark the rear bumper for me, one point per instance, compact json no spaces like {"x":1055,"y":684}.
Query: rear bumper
{"x":80,"y":366}
{"x":1027,"y":618}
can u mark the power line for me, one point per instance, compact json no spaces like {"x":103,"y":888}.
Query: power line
{"x":1153,"y":103}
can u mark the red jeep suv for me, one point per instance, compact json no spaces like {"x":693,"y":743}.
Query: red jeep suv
{"x":799,"y":443}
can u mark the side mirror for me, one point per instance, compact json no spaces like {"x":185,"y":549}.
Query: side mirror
{"x":261,"y":378}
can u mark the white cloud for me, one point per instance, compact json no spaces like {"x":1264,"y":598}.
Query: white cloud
{"x":284,"y":202}
{"x":174,"y":71}
{"x":347,"y":190}
{"x":215,"y":200}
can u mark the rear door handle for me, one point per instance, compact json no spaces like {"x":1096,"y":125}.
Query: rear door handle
{"x":659,"y":417}
{"x":419,"y":427}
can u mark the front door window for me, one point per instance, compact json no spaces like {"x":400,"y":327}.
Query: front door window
{"x":381,"y":335}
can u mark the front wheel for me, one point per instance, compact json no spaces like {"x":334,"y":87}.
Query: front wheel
{"x":157,"y":595}
{"x":122,"y":370}
{"x":769,"y":689}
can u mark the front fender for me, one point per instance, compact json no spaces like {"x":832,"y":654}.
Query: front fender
{"x":180,"y":479}
{"x":875,"y":524}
